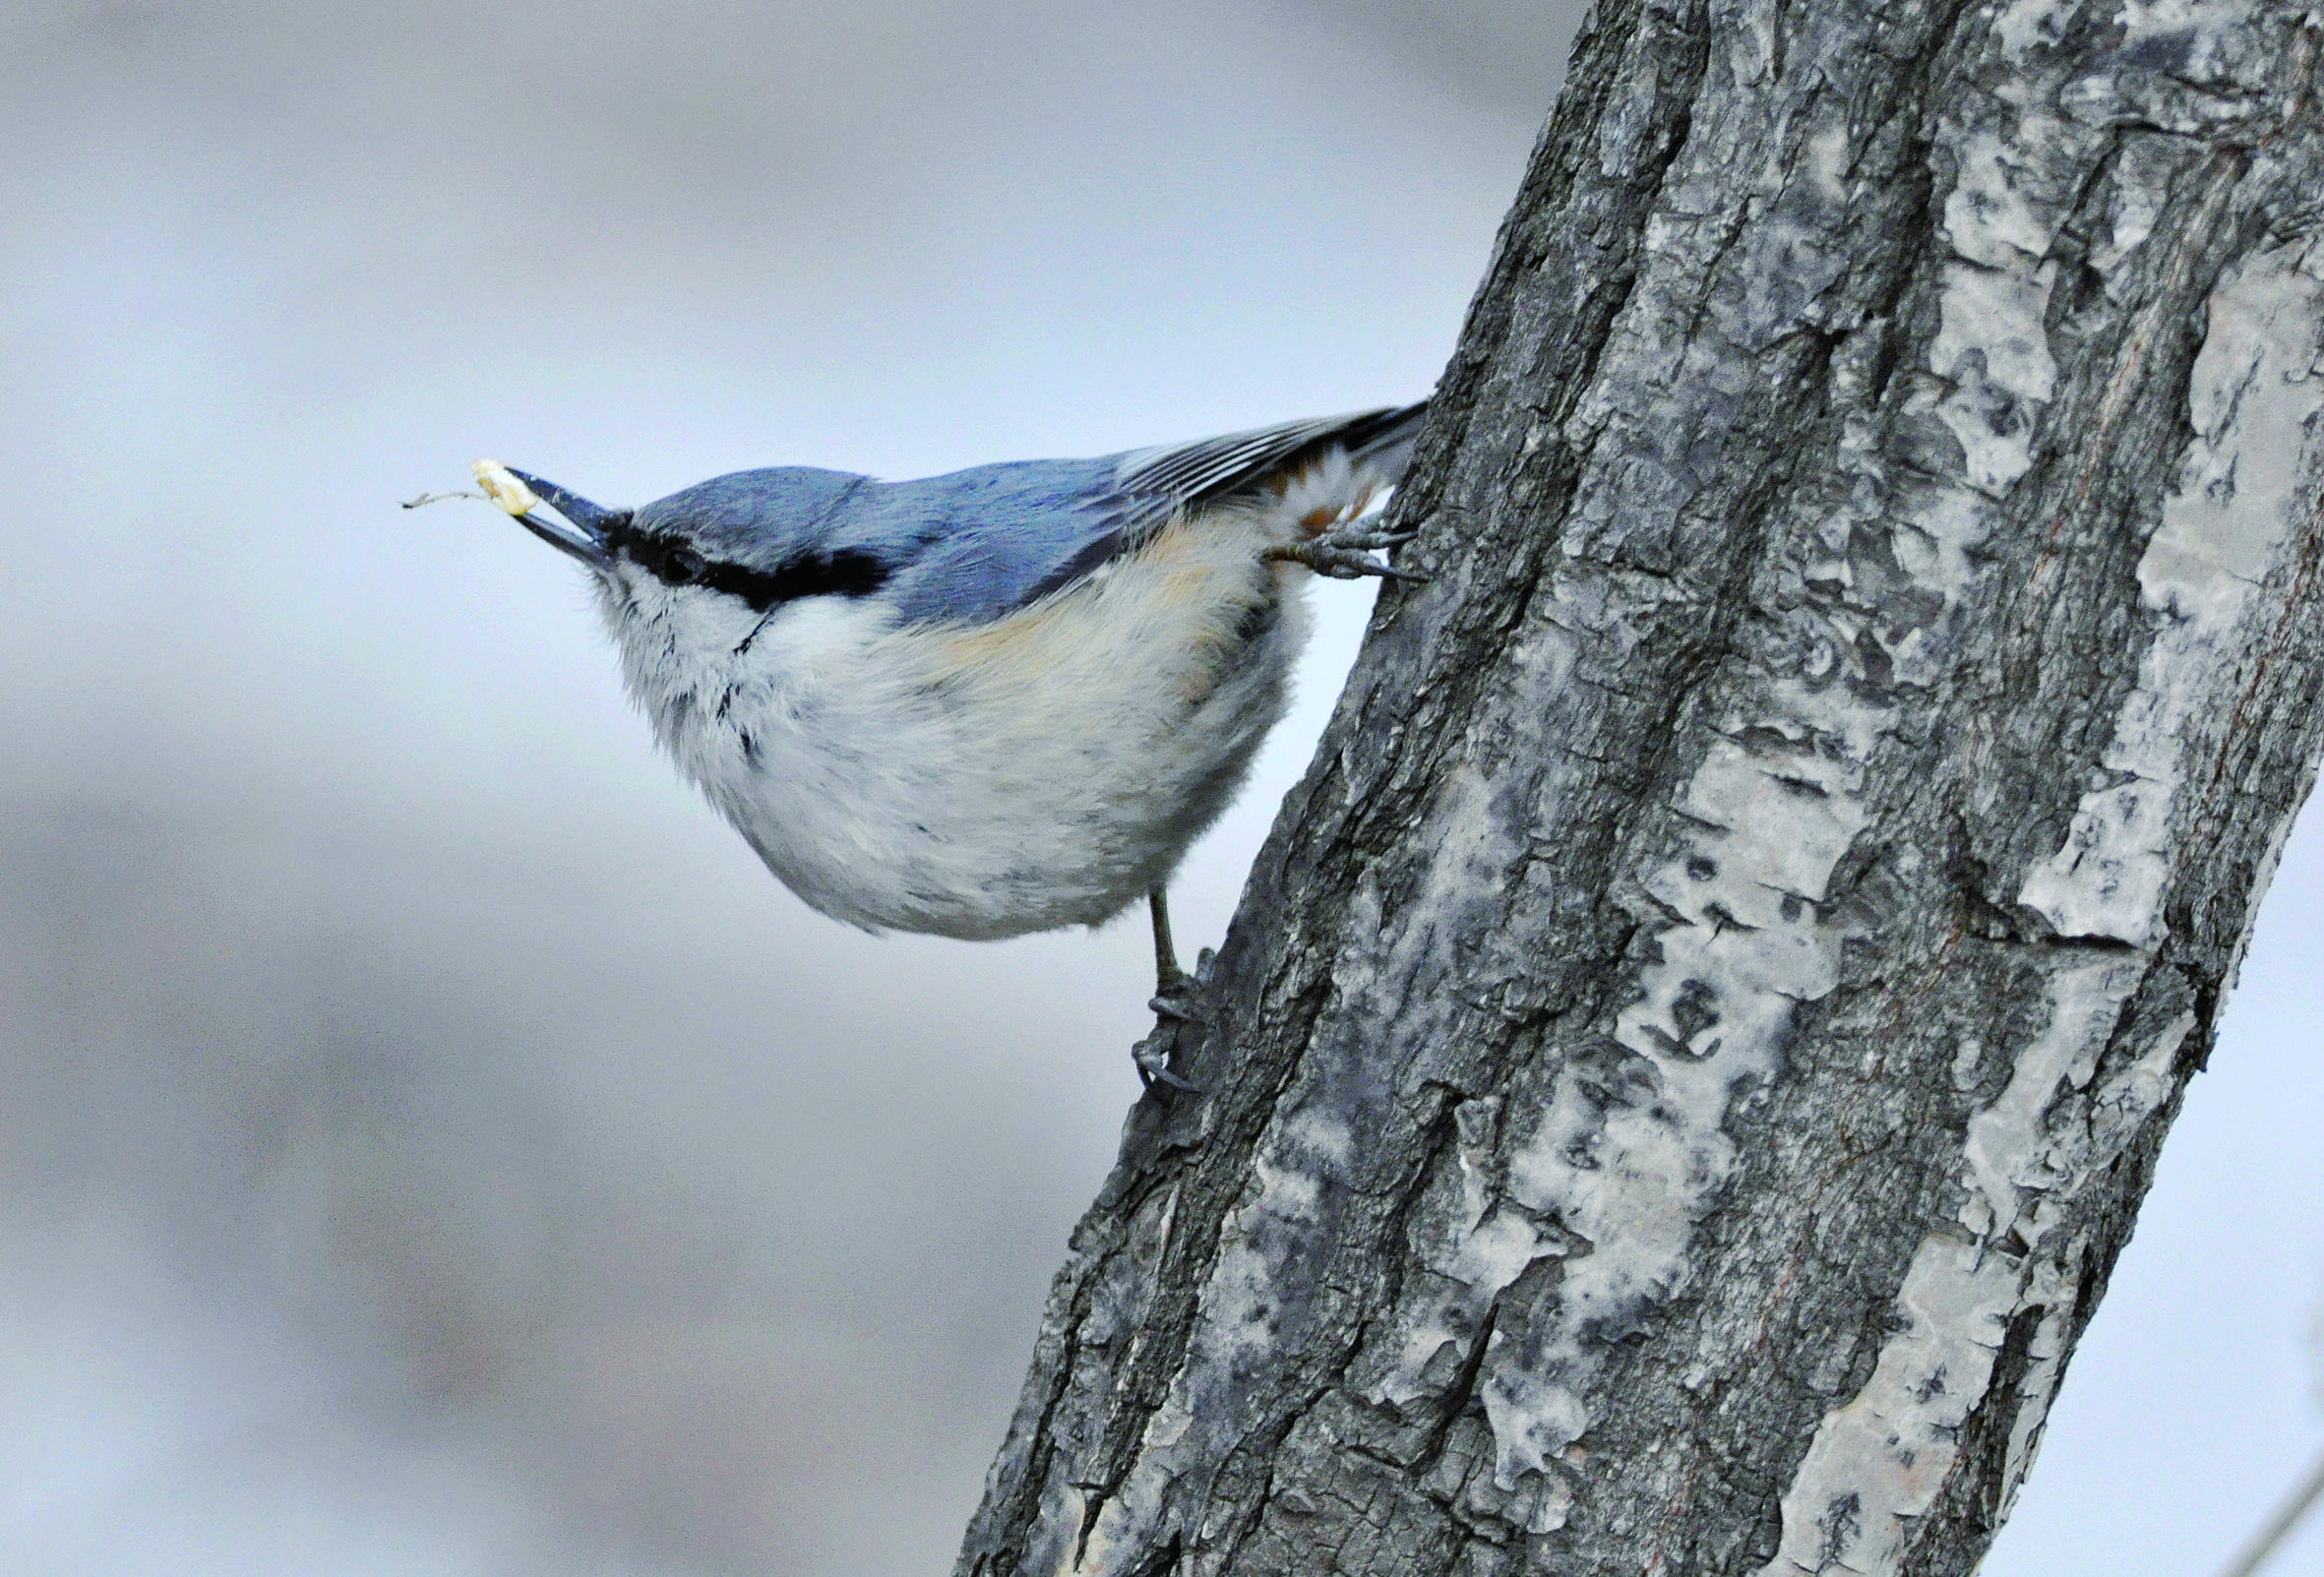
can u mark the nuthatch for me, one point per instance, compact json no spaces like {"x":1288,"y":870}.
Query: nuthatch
{"x":992,"y":703}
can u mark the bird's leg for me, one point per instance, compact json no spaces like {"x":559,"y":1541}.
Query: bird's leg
{"x":1175,"y":995}
{"x":1344,"y":551}
{"x":1170,"y":981}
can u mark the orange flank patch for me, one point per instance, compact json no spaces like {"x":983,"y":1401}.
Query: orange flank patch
{"x":1322,"y":518}
{"x":1181,"y":582}
{"x":971,"y":649}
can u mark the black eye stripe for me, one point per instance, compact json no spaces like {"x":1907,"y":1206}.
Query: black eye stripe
{"x":848,"y":572}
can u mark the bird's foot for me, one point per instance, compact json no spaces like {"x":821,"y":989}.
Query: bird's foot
{"x":1178,"y":995}
{"x":1344,"y":553}
{"x":1177,"y":1002}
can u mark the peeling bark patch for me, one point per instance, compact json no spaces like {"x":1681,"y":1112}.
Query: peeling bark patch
{"x":2246,"y":479}
{"x":1631,"y":1168}
{"x":1236,"y":1327}
{"x":1890,"y":1450}
{"x":2051,"y":1134}
{"x":1990,"y":342}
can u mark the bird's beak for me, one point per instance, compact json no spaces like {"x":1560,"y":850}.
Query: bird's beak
{"x":585,"y":529}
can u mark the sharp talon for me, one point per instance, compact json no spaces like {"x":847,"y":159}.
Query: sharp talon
{"x":1174,"y":1008}
{"x":1151,"y":1057}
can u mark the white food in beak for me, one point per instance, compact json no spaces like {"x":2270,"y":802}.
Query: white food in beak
{"x":504,"y":487}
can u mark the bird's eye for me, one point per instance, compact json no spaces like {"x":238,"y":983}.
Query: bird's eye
{"x":686,"y":566}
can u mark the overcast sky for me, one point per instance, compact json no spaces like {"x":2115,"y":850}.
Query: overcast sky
{"x":429,"y":1142}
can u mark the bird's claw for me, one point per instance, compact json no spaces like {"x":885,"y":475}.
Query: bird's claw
{"x":1175,"y":999}
{"x":1346,"y":554}
{"x":1176,"y":1002}
{"x":1152,"y":1057}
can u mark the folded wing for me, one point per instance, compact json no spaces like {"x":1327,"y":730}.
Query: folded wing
{"x":979,"y":544}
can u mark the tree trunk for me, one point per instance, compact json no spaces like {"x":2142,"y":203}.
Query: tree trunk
{"x":1695,"y":1041}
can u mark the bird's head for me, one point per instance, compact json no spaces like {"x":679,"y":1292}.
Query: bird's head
{"x":732,"y":550}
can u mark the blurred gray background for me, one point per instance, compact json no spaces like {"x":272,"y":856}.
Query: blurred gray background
{"x":431,"y":1144}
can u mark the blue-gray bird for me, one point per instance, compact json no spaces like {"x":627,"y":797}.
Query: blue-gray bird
{"x":992,"y":703}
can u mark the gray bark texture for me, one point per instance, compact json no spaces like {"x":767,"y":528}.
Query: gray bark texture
{"x":1695,"y":1041}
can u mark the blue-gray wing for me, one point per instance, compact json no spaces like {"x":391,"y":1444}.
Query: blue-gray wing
{"x":1179,"y":476}
{"x":979,"y":544}
{"x":1150,"y":485}
{"x":976,"y":545}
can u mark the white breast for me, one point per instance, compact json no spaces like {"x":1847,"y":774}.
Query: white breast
{"x":1042,"y":770}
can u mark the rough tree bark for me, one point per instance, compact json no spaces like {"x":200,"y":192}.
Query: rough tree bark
{"x":1695,"y":1043}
